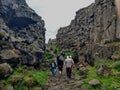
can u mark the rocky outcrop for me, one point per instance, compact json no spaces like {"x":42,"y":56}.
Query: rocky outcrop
{"x":104,"y":70}
{"x":5,"y":70}
{"x":95,"y":30}
{"x":21,"y":30}
{"x":94,"y":82}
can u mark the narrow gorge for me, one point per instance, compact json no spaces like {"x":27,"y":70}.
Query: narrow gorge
{"x":92,"y":40}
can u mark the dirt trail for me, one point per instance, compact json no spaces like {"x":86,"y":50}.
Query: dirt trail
{"x":61,"y":82}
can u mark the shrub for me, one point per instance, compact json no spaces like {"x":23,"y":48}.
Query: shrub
{"x":117,"y":66}
{"x":41,"y":77}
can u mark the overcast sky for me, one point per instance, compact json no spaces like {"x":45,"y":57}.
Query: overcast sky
{"x":57,"y":13}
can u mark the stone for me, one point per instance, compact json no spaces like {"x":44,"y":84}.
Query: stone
{"x":83,"y":71}
{"x":1,"y":85}
{"x":5,"y":70}
{"x":94,"y":82}
{"x":9,"y":88}
{"x":118,"y":89}
{"x":10,"y":56}
{"x":83,"y":88}
{"x":37,"y":88}
{"x":103,"y":70}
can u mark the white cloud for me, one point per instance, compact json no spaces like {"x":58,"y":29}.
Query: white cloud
{"x":57,"y":13}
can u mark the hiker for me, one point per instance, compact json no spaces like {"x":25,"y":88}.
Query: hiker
{"x":63,"y":53}
{"x":60,"y":64}
{"x":53,"y":66}
{"x":68,"y":64}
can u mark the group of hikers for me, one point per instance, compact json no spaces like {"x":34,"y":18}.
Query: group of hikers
{"x":59,"y":63}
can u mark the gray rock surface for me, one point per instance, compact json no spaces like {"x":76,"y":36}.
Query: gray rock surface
{"x":95,"y":29}
{"x":23,"y":30}
{"x":104,"y":70}
{"x":94,"y":82}
{"x":5,"y":70}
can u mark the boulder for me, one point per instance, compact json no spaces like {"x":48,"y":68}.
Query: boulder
{"x":1,"y":85}
{"x":9,"y":53}
{"x":82,"y":69}
{"x":11,"y":56}
{"x":118,"y":89}
{"x":94,"y":82}
{"x":103,"y":70}
{"x":5,"y":70}
{"x":9,"y":88}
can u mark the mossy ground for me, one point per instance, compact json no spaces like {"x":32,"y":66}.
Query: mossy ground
{"x":25,"y":79}
{"x":111,"y":82}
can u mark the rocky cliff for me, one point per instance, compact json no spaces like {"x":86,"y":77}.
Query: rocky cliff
{"x":95,"y":29}
{"x":22,"y":33}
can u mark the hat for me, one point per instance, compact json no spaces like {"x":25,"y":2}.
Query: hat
{"x":70,"y":56}
{"x":67,"y":57}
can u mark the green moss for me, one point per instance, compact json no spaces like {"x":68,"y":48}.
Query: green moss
{"x":26,"y":79}
{"x":32,"y":47}
{"x":99,"y":61}
{"x":116,"y":53}
{"x":113,"y":43}
{"x":48,"y":56}
{"x":117,"y":66}
{"x":2,"y":34}
{"x":110,"y":82}
{"x":40,"y":41}
{"x":29,"y":81}
{"x":41,"y":77}
{"x":107,"y":83}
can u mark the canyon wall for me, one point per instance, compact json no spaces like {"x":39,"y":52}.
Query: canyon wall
{"x":22,"y":33}
{"x":95,"y":29}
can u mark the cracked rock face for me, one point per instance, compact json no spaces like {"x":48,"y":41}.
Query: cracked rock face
{"x":94,"y":29}
{"x":23,"y":29}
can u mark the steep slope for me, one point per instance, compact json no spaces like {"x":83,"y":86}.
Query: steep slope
{"x":95,"y":29}
{"x":23,"y":31}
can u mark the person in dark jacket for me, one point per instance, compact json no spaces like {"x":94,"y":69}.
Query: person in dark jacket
{"x":53,"y":66}
{"x":60,"y":64}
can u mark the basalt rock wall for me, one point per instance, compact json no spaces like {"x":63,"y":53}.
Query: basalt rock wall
{"x":95,"y":29}
{"x":22,"y":33}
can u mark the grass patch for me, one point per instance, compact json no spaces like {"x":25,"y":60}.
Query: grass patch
{"x":111,"y":82}
{"x":116,"y":53}
{"x":26,"y":79}
{"x":41,"y":77}
{"x":117,"y":66}
{"x":113,"y":43}
{"x":48,"y":56}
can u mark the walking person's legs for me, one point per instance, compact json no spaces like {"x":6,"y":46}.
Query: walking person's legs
{"x":70,"y":71}
{"x":67,"y":72}
{"x":54,"y":72}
